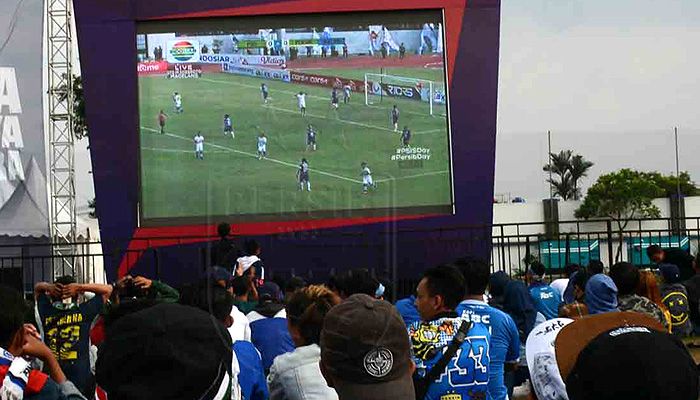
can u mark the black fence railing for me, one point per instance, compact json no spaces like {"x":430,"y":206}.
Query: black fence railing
{"x":511,"y":247}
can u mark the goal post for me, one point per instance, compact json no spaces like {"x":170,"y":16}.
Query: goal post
{"x":430,"y":93}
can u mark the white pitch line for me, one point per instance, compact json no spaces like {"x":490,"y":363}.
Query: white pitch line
{"x":413,"y":176}
{"x":256,"y":156}
{"x":332,"y":119}
{"x":430,"y":131}
{"x":315,"y":97}
{"x":297,"y":112}
{"x":175,"y":150}
{"x":258,"y":88}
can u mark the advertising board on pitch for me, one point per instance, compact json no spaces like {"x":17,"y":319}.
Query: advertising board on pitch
{"x":183,"y":51}
{"x":257,"y":71}
{"x":242,"y":59}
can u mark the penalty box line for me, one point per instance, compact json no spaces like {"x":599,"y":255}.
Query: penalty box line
{"x":299,"y":112}
{"x":229,"y":149}
{"x":317,"y":116}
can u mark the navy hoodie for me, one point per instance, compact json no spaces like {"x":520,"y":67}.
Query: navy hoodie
{"x":269,"y":333}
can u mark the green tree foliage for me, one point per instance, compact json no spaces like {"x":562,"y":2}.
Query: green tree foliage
{"x":621,"y":196}
{"x":669,"y":184}
{"x":569,"y":170}
{"x":79,"y":124}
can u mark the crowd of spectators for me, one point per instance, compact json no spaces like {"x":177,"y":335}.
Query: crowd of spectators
{"x":466,"y":333}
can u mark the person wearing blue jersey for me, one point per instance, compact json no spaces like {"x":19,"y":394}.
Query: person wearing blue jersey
{"x":466,"y":374}
{"x":334,"y":98}
{"x":504,"y":346}
{"x":407,"y":309}
{"x":395,"y":117}
{"x":310,"y":138}
{"x":303,"y":175}
{"x":265,"y":92}
{"x":406,"y":137}
{"x":546,"y":298}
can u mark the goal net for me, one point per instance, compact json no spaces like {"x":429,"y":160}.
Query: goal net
{"x":386,"y":88}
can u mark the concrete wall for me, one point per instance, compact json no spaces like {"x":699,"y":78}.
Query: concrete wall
{"x":506,"y":213}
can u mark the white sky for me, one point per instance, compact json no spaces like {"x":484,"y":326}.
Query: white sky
{"x":610,"y":79}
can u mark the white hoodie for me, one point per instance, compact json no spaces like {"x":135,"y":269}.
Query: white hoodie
{"x":297,"y":376}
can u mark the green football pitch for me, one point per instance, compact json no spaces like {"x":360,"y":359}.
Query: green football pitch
{"x":231,"y":180}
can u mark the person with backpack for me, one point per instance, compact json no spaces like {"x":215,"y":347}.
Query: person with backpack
{"x":451,"y":354}
{"x":675,"y":297}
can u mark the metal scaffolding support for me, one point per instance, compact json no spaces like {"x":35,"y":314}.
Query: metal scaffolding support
{"x":60,"y":125}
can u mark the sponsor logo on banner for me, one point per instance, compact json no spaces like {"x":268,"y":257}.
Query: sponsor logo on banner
{"x":277,"y":61}
{"x":328,"y":81}
{"x":216,"y":58}
{"x":241,"y":59}
{"x":183,"y":51}
{"x":152,"y":67}
{"x":407,"y":92}
{"x":260,"y":72}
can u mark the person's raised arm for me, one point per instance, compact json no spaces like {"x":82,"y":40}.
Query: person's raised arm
{"x":46,"y":288}
{"x":99,"y":289}
{"x":34,"y":347}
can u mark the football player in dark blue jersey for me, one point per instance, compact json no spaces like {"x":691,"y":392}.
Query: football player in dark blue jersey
{"x":303,"y":175}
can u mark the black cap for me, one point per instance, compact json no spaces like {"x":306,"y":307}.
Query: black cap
{"x":643,"y":364}
{"x":167,"y":351}
{"x":270,"y":291}
{"x":365,"y":347}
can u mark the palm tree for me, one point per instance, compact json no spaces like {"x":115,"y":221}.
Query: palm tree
{"x":560,"y":166}
{"x":563,"y":186}
{"x":578,"y":169}
{"x":569,"y":169}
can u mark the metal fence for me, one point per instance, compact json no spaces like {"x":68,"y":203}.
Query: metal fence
{"x":511,"y":247}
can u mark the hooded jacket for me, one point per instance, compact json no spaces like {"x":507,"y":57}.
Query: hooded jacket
{"x":601,"y":294}
{"x":268,"y":331}
{"x":297,"y":376}
{"x":516,"y":302}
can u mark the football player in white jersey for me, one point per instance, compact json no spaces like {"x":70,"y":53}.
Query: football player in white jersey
{"x":367,"y":182}
{"x":346,"y":94}
{"x":177,"y":102}
{"x":301,"y":102}
{"x":262,"y":146}
{"x":199,"y":146}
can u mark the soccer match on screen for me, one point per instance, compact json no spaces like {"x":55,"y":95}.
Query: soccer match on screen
{"x":274,"y":121}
